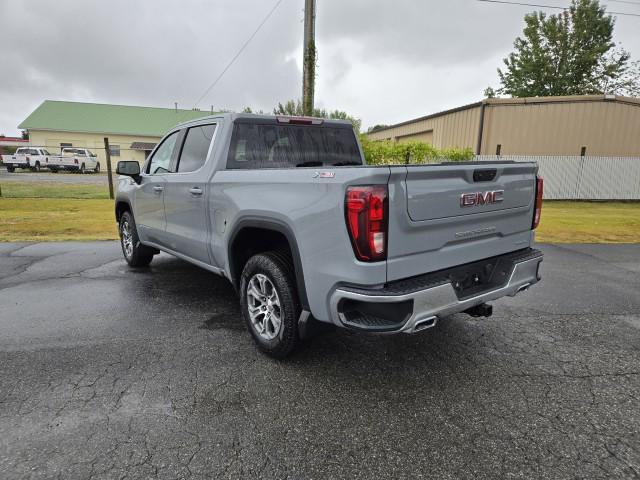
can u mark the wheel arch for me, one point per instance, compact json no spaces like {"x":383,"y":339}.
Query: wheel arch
{"x":243,"y":244}
{"x":121,"y":207}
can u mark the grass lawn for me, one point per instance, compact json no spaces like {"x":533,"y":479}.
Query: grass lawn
{"x":589,"y":222}
{"x":88,"y":215}
{"x":48,"y":219}
{"x":53,"y":190}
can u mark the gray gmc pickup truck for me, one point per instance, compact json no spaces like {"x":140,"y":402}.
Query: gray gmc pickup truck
{"x":287,"y":209}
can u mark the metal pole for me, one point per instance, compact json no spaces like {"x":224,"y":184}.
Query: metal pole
{"x":108,"y":155}
{"x":309,"y":57}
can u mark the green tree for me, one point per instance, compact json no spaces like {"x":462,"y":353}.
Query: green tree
{"x":294,"y":108}
{"x":571,"y":53}
{"x":377,"y":127}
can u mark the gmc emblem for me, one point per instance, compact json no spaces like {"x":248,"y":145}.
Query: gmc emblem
{"x":481,"y":198}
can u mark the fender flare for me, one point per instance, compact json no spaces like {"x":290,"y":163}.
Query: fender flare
{"x":118,"y":202}
{"x":276,"y":226}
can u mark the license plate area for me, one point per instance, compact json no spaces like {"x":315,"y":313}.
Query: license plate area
{"x":479,"y":277}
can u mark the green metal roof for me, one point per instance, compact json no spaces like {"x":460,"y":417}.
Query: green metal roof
{"x":105,"y":118}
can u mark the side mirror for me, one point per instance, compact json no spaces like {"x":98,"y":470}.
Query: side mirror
{"x":129,"y":168}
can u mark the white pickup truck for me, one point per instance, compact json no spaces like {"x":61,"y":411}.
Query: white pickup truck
{"x":79,"y":160}
{"x":33,"y":158}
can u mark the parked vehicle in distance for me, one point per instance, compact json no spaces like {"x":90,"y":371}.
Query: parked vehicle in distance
{"x":32,"y":158}
{"x":79,"y":160}
{"x":308,"y":234}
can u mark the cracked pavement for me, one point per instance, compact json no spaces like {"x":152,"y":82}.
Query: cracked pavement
{"x":109,"y":373}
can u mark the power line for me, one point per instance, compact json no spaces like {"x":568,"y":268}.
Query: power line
{"x":264,"y":20}
{"x":628,"y":2}
{"x":551,"y":6}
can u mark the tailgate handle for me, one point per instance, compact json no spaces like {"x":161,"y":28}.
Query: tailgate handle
{"x":484,"y":175}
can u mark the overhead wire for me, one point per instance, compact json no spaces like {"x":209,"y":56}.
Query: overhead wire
{"x":556,"y":7}
{"x":235,"y":57}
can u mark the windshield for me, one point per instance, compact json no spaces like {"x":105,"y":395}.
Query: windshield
{"x":286,"y":146}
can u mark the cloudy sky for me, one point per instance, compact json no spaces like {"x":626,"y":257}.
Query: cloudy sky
{"x":382,"y":61}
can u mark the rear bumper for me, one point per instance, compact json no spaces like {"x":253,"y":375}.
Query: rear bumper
{"x":415,"y":304}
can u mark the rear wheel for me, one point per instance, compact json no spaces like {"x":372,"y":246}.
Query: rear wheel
{"x":11,"y":169}
{"x":269,"y":303}
{"x":54,"y":170}
{"x":97,"y":169}
{"x":136,"y":254}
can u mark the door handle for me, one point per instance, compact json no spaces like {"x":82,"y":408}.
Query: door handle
{"x":158,"y":189}
{"x":195,"y":191}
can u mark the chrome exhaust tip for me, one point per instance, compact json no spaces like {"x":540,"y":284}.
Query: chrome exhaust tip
{"x":424,"y":324}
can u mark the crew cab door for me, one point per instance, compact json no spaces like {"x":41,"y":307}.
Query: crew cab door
{"x":149,"y":196}
{"x":186,"y":194}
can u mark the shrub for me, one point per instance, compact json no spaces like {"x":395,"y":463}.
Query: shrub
{"x":388,"y":152}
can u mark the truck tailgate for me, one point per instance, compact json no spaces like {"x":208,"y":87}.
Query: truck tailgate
{"x":451,"y":214}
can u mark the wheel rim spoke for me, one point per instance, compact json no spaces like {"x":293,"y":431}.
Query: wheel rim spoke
{"x":263,"y":305}
{"x":127,"y":238}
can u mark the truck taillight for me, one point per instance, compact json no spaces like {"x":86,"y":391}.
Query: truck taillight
{"x":75,"y":160}
{"x":367,"y":217}
{"x":538,"y":210}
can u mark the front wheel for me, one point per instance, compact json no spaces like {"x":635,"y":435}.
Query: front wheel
{"x":136,"y":254}
{"x":269,"y":303}
{"x":11,"y":169}
{"x":97,"y":169}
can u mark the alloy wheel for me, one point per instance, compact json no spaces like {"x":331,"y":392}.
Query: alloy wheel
{"x":127,"y":238}
{"x":264,"y":306}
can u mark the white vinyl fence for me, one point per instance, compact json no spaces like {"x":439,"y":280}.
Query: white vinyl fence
{"x":584,"y":178}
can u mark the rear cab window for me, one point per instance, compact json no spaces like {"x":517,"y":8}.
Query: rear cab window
{"x":265,"y":143}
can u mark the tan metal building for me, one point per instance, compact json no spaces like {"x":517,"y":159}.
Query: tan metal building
{"x":605,"y":125}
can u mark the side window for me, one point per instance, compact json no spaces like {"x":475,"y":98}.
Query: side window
{"x":161,"y":159}
{"x":195,"y":148}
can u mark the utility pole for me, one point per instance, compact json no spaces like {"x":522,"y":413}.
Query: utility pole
{"x":309,"y":60}
{"x":107,"y":152}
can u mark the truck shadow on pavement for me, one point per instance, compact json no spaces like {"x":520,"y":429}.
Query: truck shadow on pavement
{"x":212,"y":297}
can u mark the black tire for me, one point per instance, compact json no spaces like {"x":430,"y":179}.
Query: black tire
{"x":97,"y":169}
{"x":11,"y":169}
{"x":81,"y":169}
{"x":278,"y":268}
{"x":136,"y":255}
{"x":54,"y":170}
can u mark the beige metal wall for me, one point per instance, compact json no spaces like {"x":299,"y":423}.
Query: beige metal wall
{"x":51,"y":140}
{"x":456,"y":129}
{"x":562,"y":128}
{"x":608,"y":126}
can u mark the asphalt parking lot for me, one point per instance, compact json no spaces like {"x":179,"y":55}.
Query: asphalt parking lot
{"x":111,"y":373}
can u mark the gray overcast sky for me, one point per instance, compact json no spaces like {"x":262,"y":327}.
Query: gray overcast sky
{"x":383,"y":61}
